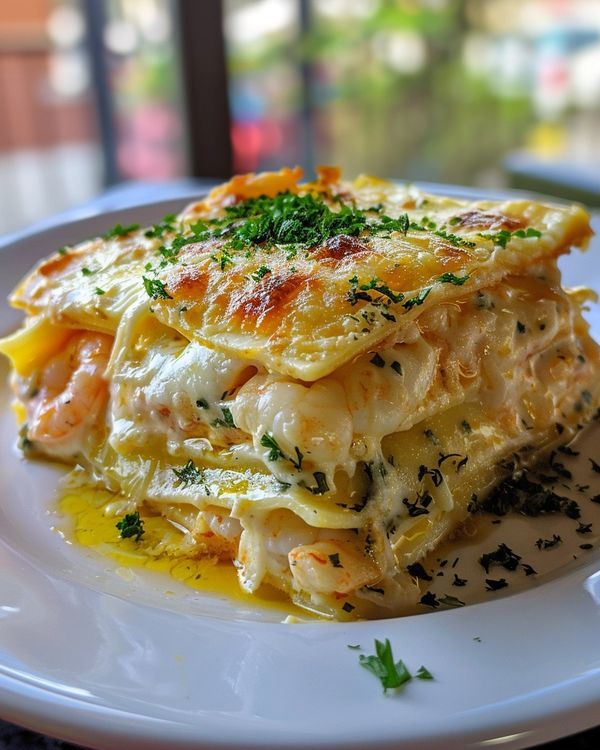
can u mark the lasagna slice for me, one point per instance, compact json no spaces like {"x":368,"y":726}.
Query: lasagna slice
{"x":309,"y":380}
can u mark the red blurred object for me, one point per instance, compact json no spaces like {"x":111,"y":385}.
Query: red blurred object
{"x":146,"y":138}
{"x":255,"y":140}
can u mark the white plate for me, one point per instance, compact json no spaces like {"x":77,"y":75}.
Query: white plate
{"x":90,"y":657}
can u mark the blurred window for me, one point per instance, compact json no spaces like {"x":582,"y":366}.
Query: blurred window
{"x":501,"y":92}
{"x":90,"y":95}
{"x":264,"y":42}
{"x":140,"y":45}
{"x":49,"y":156}
{"x":457,"y":91}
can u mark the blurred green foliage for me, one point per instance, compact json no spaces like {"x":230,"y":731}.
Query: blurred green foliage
{"x":439,"y":121}
{"x":427,"y":119}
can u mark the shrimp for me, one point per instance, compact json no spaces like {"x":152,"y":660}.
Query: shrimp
{"x":331,"y":567}
{"x":70,"y":391}
{"x":313,"y":419}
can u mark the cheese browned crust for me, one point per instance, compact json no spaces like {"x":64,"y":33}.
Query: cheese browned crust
{"x":286,"y":403}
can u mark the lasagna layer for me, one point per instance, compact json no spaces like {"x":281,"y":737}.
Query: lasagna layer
{"x":319,"y":412}
{"x":299,"y":308}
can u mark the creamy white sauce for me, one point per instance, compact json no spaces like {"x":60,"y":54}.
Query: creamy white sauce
{"x":484,"y":349}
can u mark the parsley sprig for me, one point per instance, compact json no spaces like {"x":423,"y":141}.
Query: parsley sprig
{"x":226,"y":420}
{"x":450,"y":278}
{"x":120,"y":231}
{"x":360,"y":291}
{"x":189,"y":474}
{"x":166,"y":224}
{"x":288,"y":218}
{"x":275,"y":452}
{"x":392,"y":674}
{"x":503,"y":237}
{"x":131,"y":526}
{"x":155,"y":288}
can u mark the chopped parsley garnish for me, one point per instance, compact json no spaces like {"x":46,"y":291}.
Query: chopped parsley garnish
{"x":466,"y":427}
{"x":155,"y":288}
{"x":362,"y":291}
{"x":202,"y":403}
{"x":436,"y":475}
{"x":526,"y":233}
{"x":387,"y":224}
{"x":120,"y":231}
{"x":444,"y":457}
{"x":558,"y":467}
{"x":418,"y":571}
{"x":288,"y":218}
{"x":492,"y":584}
{"x":454,"y":239}
{"x":426,"y":225}
{"x":334,"y":559}
{"x":299,"y":455}
{"x":450,"y":601}
{"x":167,"y":224}
{"x":63,"y":250}
{"x":275,"y":452}
{"x":299,"y":220}
{"x":549,"y":543}
{"x":322,"y":486}
{"x":527,"y":497}
{"x":260,"y":273}
{"x":567,"y":450}
{"x":418,"y":300}
{"x":459,"y":581}
{"x":503,"y":556}
{"x":223,"y":259}
{"x":99,"y":291}
{"x":420,"y":506}
{"x":24,"y":442}
{"x":87,"y":271}
{"x":169,"y":255}
{"x":397,"y":367}
{"x":430,"y":600}
{"x":503,"y":237}
{"x":190,"y":474}
{"x":377,"y":360}
{"x":450,"y":278}
{"x":131,"y":526}
{"x":226,"y":421}
{"x":430,"y":435}
{"x":375,"y":589}
{"x":391,"y":674}
{"x":423,"y":674}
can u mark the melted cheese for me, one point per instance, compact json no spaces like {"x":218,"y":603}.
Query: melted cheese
{"x":277,"y":421}
{"x":298,"y":320}
{"x":171,"y":394}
